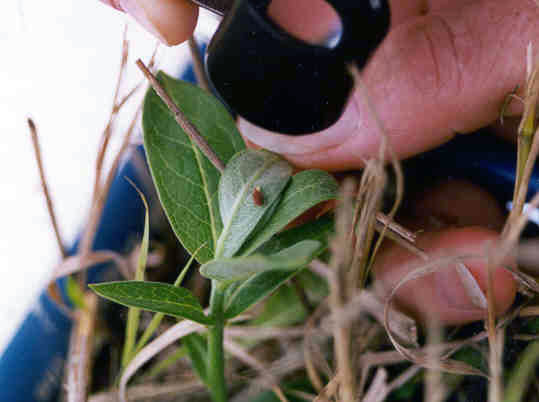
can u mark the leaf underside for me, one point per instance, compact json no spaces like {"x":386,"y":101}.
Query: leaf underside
{"x":249,"y":171}
{"x":240,"y":268}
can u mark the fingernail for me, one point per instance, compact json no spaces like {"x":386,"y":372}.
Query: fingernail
{"x":348,"y":125}
{"x":460,"y":289}
{"x":171,"y":21}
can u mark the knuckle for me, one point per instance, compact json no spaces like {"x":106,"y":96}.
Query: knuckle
{"x":436,"y":62}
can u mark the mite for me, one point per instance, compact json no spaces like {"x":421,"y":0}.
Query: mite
{"x":258,"y":197}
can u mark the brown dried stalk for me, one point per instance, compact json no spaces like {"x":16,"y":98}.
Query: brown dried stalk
{"x":198,"y":64}
{"x":79,"y":358}
{"x":181,"y":119}
{"x":45,"y":187}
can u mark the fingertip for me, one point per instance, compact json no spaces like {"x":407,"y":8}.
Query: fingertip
{"x":171,"y":21}
{"x":444,"y":295}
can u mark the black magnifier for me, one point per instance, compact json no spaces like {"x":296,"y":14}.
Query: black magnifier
{"x":282,"y":83}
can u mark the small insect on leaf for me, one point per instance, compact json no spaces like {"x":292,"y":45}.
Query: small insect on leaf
{"x":258,"y":196}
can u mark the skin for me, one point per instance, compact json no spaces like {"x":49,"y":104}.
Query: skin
{"x":445,"y":67}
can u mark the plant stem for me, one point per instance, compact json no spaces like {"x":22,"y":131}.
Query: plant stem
{"x":216,"y":357}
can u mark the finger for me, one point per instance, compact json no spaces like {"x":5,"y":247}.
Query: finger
{"x":446,"y":295}
{"x":446,"y":72}
{"x":455,"y":203}
{"x":171,"y":21}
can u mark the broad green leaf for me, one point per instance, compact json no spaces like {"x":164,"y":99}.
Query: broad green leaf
{"x":186,"y":180}
{"x":247,"y":171}
{"x":306,"y":189}
{"x":239,"y":268}
{"x":241,"y":296}
{"x":319,"y":229}
{"x":283,"y":308}
{"x":254,"y":290}
{"x":197,"y":348}
{"x":154,"y":296}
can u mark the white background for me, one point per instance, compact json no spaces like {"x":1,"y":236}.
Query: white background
{"x":58,"y":64}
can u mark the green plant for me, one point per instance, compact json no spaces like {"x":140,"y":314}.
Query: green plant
{"x":236,"y":233}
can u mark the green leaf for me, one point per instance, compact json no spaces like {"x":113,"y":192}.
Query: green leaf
{"x":197,"y":348}
{"x":75,"y":293}
{"x":319,"y":229}
{"x":523,"y":373}
{"x":306,"y":189}
{"x":254,"y":290}
{"x":154,"y":296}
{"x":241,"y":296}
{"x":247,"y":171}
{"x":239,"y":268}
{"x":133,"y":315}
{"x":185,"y":179}
{"x":283,"y":308}
{"x":157,"y":318}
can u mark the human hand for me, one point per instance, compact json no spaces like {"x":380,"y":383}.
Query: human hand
{"x":445,"y":67}
{"x":171,"y":21}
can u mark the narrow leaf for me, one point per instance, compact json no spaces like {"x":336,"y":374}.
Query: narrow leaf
{"x":185,"y":179}
{"x":236,"y":269}
{"x":154,"y":296}
{"x":197,"y":348}
{"x":254,"y":290}
{"x":306,"y":189}
{"x":158,"y":317}
{"x":522,"y":373}
{"x":133,"y":315}
{"x":248,"y":171}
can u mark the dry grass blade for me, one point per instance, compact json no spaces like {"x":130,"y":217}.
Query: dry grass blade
{"x":79,"y":262}
{"x":80,"y":351}
{"x":418,"y":356}
{"x":434,"y":388}
{"x":378,"y":390}
{"x":263,"y":333}
{"x":368,"y":204}
{"x":495,"y":389}
{"x":530,"y":311}
{"x":241,"y":354}
{"x":198,"y":64}
{"x":314,"y":358}
{"x":101,"y":184}
{"x":45,"y":187}
{"x":53,"y":287}
{"x":170,"y":336}
{"x":401,"y":325}
{"x":109,"y":128}
{"x":512,"y":234}
{"x":144,"y":392}
{"x":386,"y":222}
{"x":329,"y":390}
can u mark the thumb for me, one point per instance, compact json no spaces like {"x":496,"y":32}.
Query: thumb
{"x":171,"y":21}
{"x":448,"y":71}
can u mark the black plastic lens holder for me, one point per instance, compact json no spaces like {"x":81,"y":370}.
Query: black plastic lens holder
{"x":282,"y":83}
